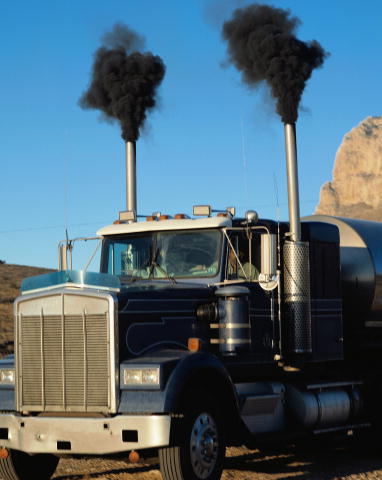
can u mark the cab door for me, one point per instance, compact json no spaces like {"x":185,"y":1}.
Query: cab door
{"x":243,"y":266}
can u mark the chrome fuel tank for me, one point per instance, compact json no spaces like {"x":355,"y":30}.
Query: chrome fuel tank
{"x":361,"y":265}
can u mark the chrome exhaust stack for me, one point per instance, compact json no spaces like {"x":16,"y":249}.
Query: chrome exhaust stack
{"x":292,"y":176}
{"x":131,"y":178}
{"x":298,"y":331}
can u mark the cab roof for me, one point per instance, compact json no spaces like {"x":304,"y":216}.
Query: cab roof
{"x":160,"y":225}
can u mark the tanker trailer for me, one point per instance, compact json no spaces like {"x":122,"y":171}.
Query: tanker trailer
{"x":361,"y":285}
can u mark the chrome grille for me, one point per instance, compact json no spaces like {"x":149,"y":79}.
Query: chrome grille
{"x":64,"y":359}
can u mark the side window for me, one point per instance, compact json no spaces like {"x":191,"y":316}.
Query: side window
{"x":126,"y":258}
{"x":255,"y":259}
{"x":232,"y":255}
{"x":243,"y":260}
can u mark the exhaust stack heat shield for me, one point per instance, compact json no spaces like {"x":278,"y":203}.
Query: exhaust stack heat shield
{"x":297,"y":327}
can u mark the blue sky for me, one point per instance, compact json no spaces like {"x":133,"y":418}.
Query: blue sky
{"x":212,"y":140}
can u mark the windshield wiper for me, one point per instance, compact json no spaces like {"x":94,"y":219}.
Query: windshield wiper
{"x":154,"y":264}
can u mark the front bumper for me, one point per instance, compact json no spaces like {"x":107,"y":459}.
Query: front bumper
{"x":84,"y":435}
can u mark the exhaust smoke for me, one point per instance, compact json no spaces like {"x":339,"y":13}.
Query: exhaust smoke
{"x":263,"y":46}
{"x":124,"y":81}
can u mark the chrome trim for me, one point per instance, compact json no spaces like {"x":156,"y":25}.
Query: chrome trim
{"x":101,"y":435}
{"x":232,"y":325}
{"x":111,"y":320}
{"x":73,"y":286}
{"x":63,"y":352}
{"x":84,"y":332}
{"x":373,"y":323}
{"x":230,"y":341}
{"x":42,"y":358}
{"x":237,"y":341}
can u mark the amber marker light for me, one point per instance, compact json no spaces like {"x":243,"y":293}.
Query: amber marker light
{"x":180,"y":216}
{"x":194,"y":344}
{"x":4,"y":453}
{"x":164,"y":217}
{"x":134,"y":457}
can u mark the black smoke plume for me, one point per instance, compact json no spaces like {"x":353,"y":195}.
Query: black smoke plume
{"x":262,"y":45}
{"x":124,"y":80}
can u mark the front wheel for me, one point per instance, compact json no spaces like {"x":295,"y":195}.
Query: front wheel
{"x":200,"y":447}
{"x":21,"y":466}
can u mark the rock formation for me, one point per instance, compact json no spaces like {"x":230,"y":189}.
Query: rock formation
{"x":356,"y":188}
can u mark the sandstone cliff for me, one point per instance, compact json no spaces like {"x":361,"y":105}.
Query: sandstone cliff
{"x":356,"y":188}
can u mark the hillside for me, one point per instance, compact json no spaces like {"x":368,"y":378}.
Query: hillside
{"x":357,"y":174}
{"x":10,"y":281}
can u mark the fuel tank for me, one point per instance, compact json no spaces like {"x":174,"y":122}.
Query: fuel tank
{"x":361,"y":267}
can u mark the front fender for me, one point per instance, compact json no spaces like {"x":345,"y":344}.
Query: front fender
{"x":198,"y":369}
{"x":182,"y":370}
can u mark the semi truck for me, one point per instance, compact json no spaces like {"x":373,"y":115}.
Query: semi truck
{"x":197,"y":332}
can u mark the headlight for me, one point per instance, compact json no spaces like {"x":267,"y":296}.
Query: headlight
{"x":142,"y":376}
{"x":7,"y":376}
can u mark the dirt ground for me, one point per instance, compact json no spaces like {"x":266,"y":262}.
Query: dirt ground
{"x":339,"y":463}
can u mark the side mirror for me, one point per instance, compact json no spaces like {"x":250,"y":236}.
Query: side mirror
{"x":268,"y":276}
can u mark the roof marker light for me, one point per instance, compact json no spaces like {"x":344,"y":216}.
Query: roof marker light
{"x":206,"y":210}
{"x":127,"y":216}
{"x":199,"y":210}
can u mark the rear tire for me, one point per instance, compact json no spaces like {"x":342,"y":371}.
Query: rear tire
{"x":21,"y":466}
{"x":198,"y":446}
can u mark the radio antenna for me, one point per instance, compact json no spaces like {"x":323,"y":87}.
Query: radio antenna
{"x":276,"y":192}
{"x":66,"y":178}
{"x":244,"y":158}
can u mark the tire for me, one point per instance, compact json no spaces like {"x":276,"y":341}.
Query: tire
{"x":21,"y":466}
{"x":197,"y":448}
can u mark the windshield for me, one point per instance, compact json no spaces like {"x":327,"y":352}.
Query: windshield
{"x":179,"y":254}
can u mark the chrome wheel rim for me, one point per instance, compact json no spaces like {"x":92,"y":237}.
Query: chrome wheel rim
{"x":204,"y":445}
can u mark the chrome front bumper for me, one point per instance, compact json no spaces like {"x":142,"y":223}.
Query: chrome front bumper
{"x":83,"y":435}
